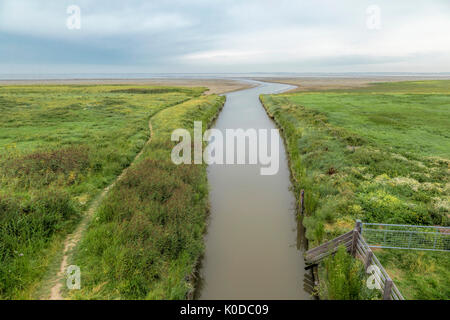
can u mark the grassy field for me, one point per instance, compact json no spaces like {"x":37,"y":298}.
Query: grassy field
{"x":59,"y":147}
{"x":147,"y":237}
{"x":380,"y":154}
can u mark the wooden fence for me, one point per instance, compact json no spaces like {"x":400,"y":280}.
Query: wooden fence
{"x":357,"y":246}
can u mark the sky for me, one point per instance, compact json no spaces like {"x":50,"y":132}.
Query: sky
{"x":228,"y":36}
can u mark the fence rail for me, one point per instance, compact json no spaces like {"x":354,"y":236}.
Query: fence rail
{"x":398,"y":236}
{"x":355,"y":244}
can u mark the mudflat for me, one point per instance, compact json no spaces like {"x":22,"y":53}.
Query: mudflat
{"x":329,"y":83}
{"x":215,"y":86}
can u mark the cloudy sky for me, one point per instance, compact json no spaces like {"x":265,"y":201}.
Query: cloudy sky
{"x":225,"y":36}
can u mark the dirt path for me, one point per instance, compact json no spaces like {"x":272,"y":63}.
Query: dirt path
{"x":73,"y":239}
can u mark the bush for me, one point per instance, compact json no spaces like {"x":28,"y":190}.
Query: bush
{"x":344,"y":278}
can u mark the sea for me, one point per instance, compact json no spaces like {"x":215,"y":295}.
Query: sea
{"x":130,"y":76}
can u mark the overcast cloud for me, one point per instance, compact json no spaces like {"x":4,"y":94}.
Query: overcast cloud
{"x":224,"y":36}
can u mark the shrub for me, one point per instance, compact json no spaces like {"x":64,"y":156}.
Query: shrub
{"x":344,"y":278}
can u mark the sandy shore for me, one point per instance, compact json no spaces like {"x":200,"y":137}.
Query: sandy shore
{"x":323,"y":83}
{"x":215,"y":86}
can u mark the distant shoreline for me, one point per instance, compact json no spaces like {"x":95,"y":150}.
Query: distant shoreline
{"x":214,"y":85}
{"x":228,"y":83}
{"x":323,"y":83}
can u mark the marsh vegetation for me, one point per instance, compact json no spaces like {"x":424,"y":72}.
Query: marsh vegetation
{"x":61,"y":145}
{"x":380,"y":154}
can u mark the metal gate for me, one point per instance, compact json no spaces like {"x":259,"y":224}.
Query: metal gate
{"x":400,"y":236}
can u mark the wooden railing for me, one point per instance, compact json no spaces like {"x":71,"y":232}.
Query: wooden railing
{"x":357,"y":246}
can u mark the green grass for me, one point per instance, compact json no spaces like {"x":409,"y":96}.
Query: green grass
{"x":379,"y":154}
{"x":418,"y":274}
{"x":147,"y":236}
{"x":59,"y":146}
{"x":400,"y":123}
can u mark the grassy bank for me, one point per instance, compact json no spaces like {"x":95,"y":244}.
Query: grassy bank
{"x":379,"y":154}
{"x":59,"y":146}
{"x":147,"y":236}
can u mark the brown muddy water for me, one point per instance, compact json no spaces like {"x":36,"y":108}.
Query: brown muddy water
{"x":251,"y":241}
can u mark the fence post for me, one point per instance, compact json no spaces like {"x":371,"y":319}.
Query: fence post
{"x":358,"y":225}
{"x":354,"y":242}
{"x":368,"y":259}
{"x":387,"y":289}
{"x":356,"y":234}
{"x":302,"y":201}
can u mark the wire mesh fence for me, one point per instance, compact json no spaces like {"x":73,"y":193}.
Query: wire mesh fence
{"x":398,"y":236}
